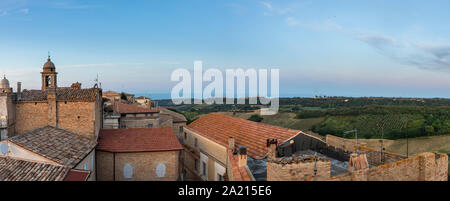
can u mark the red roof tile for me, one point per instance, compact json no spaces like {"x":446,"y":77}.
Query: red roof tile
{"x":134,"y":109}
{"x":253,"y":135}
{"x":77,"y":175}
{"x":12,"y":169}
{"x":138,"y":140}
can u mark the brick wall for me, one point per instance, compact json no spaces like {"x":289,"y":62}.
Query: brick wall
{"x":78,"y":117}
{"x":424,"y":167}
{"x":30,"y":116}
{"x":143,"y":163}
{"x":298,"y":169}
{"x":374,"y":157}
{"x":139,"y":122}
{"x":104,"y":164}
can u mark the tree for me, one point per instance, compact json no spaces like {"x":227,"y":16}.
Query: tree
{"x":255,"y":118}
{"x":123,"y":96}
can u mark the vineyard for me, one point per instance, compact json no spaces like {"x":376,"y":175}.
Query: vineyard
{"x":368,"y":126}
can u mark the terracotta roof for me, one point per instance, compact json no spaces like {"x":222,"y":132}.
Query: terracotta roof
{"x":134,"y":109}
{"x":21,"y":170}
{"x":239,"y":173}
{"x":177,"y":117}
{"x":253,"y":135}
{"x":138,"y":140}
{"x":62,"y":94}
{"x":77,"y":175}
{"x":56,"y":144}
{"x":110,"y":93}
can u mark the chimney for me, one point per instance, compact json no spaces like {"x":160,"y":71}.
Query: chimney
{"x":272,"y":148}
{"x":357,"y":162}
{"x":19,"y":89}
{"x":242,"y":156}
{"x":114,"y":106}
{"x":76,"y":86}
{"x":231,"y":143}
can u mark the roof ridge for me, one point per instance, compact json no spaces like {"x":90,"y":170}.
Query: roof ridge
{"x":248,"y":121}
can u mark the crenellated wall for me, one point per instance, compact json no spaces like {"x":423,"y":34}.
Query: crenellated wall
{"x":374,"y":157}
{"x":424,"y":167}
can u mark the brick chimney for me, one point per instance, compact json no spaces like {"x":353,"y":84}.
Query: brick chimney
{"x":242,"y":156}
{"x":272,"y":148}
{"x":231,"y":143}
{"x":357,"y":162}
{"x":76,"y":86}
{"x":19,"y":89}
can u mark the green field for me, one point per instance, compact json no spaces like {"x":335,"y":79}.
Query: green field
{"x":283,"y":119}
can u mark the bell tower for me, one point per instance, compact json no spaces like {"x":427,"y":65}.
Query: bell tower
{"x":49,"y":75}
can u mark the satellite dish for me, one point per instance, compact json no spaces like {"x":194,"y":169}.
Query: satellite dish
{"x":4,"y":148}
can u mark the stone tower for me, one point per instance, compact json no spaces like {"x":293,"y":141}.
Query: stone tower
{"x":6,"y":109}
{"x":49,"y":76}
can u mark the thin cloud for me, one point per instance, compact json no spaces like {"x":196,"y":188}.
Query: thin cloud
{"x":291,"y":21}
{"x":427,"y":56}
{"x":102,"y":65}
{"x":434,"y":57}
{"x":267,"y":5}
{"x":378,"y":41}
{"x":24,"y":11}
{"x":274,"y":10}
{"x":438,"y":50}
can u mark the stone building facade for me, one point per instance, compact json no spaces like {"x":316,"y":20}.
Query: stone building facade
{"x":219,"y":147}
{"x":71,"y":108}
{"x":55,"y":125}
{"x":124,"y":115}
{"x":138,"y":154}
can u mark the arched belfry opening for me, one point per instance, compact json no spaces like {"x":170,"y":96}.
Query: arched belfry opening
{"x":49,"y":75}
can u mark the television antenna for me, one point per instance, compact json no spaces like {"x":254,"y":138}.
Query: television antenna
{"x":356,"y":137}
{"x":381,"y":126}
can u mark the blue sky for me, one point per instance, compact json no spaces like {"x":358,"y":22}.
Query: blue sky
{"x":348,"y":48}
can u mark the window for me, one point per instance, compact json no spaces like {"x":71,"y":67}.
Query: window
{"x":123,"y":126}
{"x":203,"y":168}
{"x":160,"y":170}
{"x":180,"y":129}
{"x":47,"y":81}
{"x":127,"y":171}
{"x":92,"y":162}
{"x":150,"y":126}
{"x":196,"y":142}
{"x":85,"y":167}
{"x":196,"y":165}
{"x":185,"y":135}
{"x":219,"y":177}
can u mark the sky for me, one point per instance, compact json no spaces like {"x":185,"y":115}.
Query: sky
{"x":333,"y":48}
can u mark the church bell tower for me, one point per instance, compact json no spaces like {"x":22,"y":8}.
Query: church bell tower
{"x":49,"y":75}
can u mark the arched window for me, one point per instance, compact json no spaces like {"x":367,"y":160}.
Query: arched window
{"x":160,"y":170}
{"x":92,"y":162}
{"x":127,"y":171}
